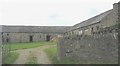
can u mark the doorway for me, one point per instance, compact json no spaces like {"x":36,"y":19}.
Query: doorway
{"x":31,"y":38}
{"x":48,"y":38}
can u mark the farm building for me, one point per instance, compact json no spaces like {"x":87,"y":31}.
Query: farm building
{"x":96,"y":23}
{"x":12,"y":34}
{"x":93,"y":39}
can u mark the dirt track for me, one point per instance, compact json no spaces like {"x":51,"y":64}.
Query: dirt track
{"x":37,"y":52}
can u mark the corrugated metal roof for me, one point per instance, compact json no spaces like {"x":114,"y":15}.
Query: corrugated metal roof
{"x":43,"y":29}
{"x":92,"y":20}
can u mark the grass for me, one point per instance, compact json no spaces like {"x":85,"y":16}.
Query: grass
{"x":52,"y":54}
{"x":12,"y":58}
{"x":32,"y":60}
{"x":17,"y":46}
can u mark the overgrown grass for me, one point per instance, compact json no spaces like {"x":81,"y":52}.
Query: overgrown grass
{"x":13,"y":56}
{"x":52,"y":54}
{"x":17,"y":46}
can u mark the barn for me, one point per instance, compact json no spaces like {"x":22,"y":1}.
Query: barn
{"x":15,"y":34}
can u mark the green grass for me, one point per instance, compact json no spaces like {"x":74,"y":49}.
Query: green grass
{"x":52,"y":54}
{"x":17,"y":46}
{"x":12,"y":58}
{"x":32,"y":60}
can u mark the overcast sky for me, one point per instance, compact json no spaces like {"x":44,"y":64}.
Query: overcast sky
{"x":51,"y":12}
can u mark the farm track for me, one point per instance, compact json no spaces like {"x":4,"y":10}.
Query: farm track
{"x":38,"y":52}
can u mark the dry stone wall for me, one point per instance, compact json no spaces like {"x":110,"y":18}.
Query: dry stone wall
{"x":99,"y":46}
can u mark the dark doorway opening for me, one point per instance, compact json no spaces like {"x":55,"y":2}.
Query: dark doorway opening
{"x":48,"y":38}
{"x":7,"y":40}
{"x":31,"y":38}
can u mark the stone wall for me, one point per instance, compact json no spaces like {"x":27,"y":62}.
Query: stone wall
{"x":25,"y":37}
{"x":101,"y":46}
{"x":119,"y":26}
{"x":22,"y":37}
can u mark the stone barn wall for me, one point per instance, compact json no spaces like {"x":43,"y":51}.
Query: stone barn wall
{"x":24,"y":37}
{"x":99,"y":47}
{"x":111,"y":18}
{"x":14,"y":34}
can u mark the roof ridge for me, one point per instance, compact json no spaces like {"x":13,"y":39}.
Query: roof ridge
{"x":94,"y":16}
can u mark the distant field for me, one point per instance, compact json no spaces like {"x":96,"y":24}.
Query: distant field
{"x":17,"y":46}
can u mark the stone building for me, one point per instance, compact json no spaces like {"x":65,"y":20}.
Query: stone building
{"x":93,"y":39}
{"x":96,"y":23}
{"x":12,"y":34}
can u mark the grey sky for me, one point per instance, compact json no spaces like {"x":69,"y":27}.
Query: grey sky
{"x":51,"y":12}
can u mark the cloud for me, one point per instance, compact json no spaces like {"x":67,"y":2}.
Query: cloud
{"x":51,"y":12}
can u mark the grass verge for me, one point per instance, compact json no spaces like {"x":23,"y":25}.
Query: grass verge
{"x":17,"y":46}
{"x":52,"y":54}
{"x":12,"y":58}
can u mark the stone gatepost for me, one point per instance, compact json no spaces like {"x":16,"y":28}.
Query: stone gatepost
{"x":0,"y":45}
